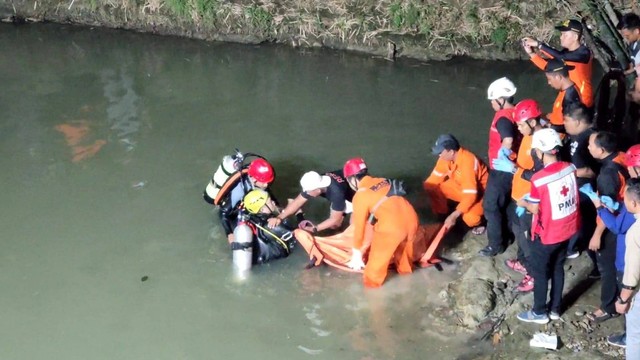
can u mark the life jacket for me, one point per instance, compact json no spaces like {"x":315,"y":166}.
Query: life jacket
{"x":581,"y":76}
{"x":556,"y":116}
{"x":495,"y":142}
{"x":623,"y":174}
{"x":519,"y":186}
{"x":558,"y":217}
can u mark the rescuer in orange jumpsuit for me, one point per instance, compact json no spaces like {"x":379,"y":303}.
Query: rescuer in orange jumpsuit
{"x":458,"y":176}
{"x":383,"y":218}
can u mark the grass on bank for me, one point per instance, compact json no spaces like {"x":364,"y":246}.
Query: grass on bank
{"x":455,"y":24}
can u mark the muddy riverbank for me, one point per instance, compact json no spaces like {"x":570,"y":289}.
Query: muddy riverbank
{"x":425,"y":30}
{"x":484,"y":302}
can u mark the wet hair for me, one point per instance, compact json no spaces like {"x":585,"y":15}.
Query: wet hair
{"x":633,"y":189}
{"x":607,"y":141}
{"x":578,"y":112}
{"x":629,"y":21}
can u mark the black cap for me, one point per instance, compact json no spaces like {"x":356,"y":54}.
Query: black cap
{"x":554,"y":65}
{"x":445,"y":142}
{"x":570,"y":25}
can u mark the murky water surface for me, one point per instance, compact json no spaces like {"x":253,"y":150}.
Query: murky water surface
{"x":108,"y":139}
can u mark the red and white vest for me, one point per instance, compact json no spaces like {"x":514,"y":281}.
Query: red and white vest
{"x":556,"y":190}
{"x":495,"y":142}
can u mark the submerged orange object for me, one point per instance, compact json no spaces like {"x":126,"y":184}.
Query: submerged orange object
{"x":75,"y":136}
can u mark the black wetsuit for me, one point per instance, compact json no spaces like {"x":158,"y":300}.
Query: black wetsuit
{"x":270,"y":244}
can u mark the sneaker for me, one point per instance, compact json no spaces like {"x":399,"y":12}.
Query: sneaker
{"x":554,"y":315}
{"x":489,"y":251}
{"x":619,"y":340}
{"x":594,"y":274}
{"x":573,"y":255}
{"x":516,"y":266}
{"x":530,"y":316}
{"x":526,"y":284}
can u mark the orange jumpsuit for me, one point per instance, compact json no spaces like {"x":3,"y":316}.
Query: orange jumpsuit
{"x":463,"y":181}
{"x":392,"y":235}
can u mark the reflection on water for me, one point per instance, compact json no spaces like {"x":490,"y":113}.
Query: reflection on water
{"x":109,"y":139}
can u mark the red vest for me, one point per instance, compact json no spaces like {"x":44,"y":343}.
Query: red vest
{"x":556,"y":190}
{"x":495,"y":142}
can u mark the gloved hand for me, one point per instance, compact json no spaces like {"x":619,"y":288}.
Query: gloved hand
{"x":504,"y":165}
{"x":307,"y":226}
{"x":356,"y":262}
{"x":520,"y":211}
{"x":587,"y":189}
{"x":609,"y":203}
{"x":504,"y":153}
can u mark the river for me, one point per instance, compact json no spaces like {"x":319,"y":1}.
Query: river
{"x":108,"y":139}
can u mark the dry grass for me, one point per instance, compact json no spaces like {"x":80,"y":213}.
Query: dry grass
{"x":453,"y":26}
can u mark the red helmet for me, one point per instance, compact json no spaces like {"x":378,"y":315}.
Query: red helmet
{"x":261,"y":170}
{"x":353,"y":166}
{"x":632,"y":156}
{"x":525,"y":110}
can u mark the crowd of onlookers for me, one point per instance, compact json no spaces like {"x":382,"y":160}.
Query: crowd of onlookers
{"x":556,"y":185}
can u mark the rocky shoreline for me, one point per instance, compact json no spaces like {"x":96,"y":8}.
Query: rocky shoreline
{"x":483,"y":302}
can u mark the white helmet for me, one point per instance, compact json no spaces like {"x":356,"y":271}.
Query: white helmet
{"x":501,"y":88}
{"x":545,"y":140}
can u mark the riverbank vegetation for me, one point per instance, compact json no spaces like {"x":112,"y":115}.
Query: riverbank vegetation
{"x":427,"y":29}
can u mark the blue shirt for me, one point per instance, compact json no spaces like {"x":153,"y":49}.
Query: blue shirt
{"x":618,"y":224}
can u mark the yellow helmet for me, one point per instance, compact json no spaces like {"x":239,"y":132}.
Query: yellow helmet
{"x":255,"y":200}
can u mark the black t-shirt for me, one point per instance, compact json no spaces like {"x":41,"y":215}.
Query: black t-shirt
{"x":506,"y":128}
{"x":337,"y":192}
{"x":571,"y":96}
{"x":608,"y":181}
{"x":577,"y":152}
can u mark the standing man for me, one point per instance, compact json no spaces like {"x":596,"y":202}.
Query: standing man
{"x":382,"y":218}
{"x":331,"y":186}
{"x":610,"y":183}
{"x":579,"y":126}
{"x":629,"y":27}
{"x":628,"y":300}
{"x":557,"y":73}
{"x":573,"y":53}
{"x":502,"y":140}
{"x":556,"y":218}
{"x":527,"y":115}
{"x":458,"y":176}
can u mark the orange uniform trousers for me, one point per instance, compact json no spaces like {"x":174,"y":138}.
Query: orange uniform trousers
{"x":450,"y":190}
{"x":392,"y":236}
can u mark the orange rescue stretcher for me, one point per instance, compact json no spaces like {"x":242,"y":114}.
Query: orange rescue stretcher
{"x":335,"y":250}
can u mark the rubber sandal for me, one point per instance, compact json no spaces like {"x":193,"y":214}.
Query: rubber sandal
{"x":478,"y":230}
{"x":604,"y":317}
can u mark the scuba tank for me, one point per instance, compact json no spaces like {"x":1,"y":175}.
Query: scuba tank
{"x":242,"y":245}
{"x":230,"y":165}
